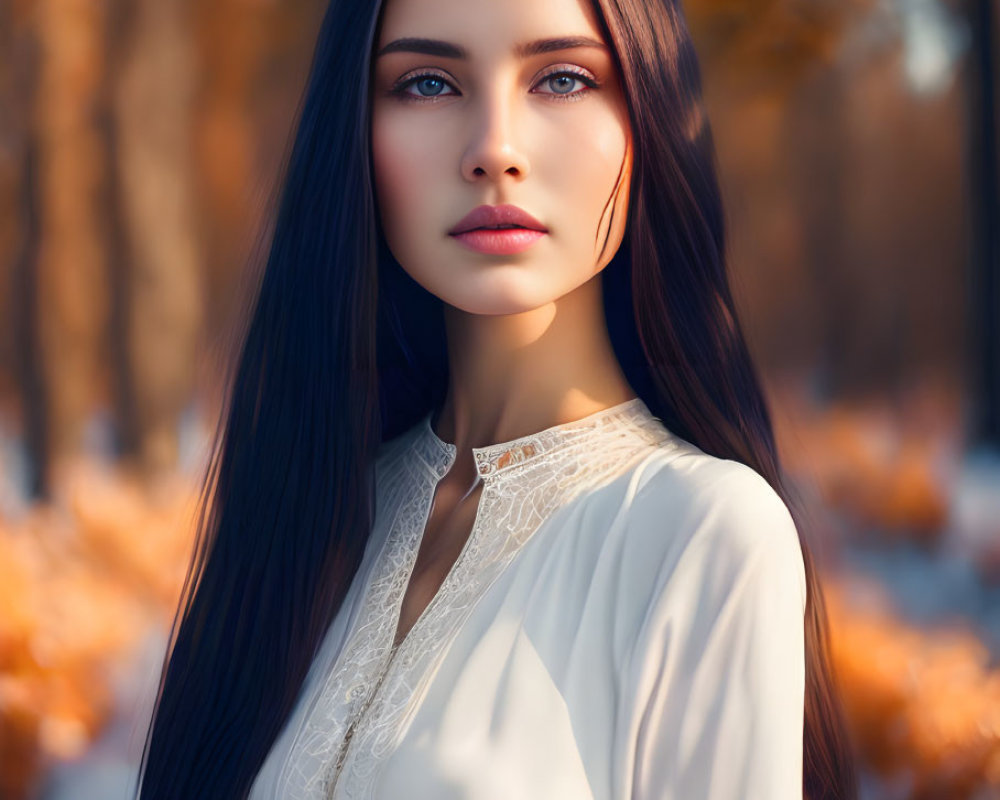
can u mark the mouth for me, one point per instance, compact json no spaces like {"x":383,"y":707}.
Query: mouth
{"x":498,"y":230}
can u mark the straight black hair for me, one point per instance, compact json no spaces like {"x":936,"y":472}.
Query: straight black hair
{"x":342,"y":351}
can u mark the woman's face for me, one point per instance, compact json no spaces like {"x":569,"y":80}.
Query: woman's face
{"x":489,"y":124}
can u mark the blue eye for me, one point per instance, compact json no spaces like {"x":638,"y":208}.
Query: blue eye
{"x":433,"y":84}
{"x":567,"y":79}
{"x":564,"y":79}
{"x":428,"y":82}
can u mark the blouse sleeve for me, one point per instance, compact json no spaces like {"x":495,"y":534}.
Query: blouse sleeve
{"x":724,"y":666}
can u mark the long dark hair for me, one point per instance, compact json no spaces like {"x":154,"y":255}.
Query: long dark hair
{"x":343,"y":351}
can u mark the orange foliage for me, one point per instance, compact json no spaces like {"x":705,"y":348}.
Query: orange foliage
{"x":886,"y":469}
{"x":81,"y":584}
{"x":924,"y":703}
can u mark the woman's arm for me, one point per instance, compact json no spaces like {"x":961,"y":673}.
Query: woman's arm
{"x":723,"y":672}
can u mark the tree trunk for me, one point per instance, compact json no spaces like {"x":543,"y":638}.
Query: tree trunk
{"x":67,"y":273}
{"x":158,"y":284}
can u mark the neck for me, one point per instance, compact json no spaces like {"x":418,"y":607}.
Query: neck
{"x":515,"y":374}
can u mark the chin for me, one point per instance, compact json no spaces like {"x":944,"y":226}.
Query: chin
{"x":491,"y":304}
{"x":496,"y":294}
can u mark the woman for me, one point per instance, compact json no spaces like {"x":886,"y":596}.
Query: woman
{"x":498,"y":513}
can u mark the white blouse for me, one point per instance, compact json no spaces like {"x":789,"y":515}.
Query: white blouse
{"x":624,"y":622}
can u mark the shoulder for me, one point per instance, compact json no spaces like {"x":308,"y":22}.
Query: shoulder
{"x":680,"y":482}
{"x":710,"y":515}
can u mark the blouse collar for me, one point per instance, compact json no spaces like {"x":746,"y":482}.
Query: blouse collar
{"x":497,"y":458}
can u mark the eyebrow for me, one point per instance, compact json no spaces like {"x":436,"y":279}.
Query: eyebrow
{"x":435,"y":47}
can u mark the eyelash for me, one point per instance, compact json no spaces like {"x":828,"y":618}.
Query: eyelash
{"x":399,"y":89}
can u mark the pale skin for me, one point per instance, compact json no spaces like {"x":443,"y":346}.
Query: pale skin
{"x":528,"y":346}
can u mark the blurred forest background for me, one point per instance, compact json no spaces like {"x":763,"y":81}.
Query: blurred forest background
{"x":139,"y":143}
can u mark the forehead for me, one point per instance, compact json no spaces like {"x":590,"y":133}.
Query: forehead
{"x":486,"y":27}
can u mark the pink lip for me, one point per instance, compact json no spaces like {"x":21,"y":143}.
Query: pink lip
{"x":481,"y":230}
{"x":499,"y":242}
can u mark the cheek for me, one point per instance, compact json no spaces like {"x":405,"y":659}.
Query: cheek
{"x":402,"y":170}
{"x":585,"y":166}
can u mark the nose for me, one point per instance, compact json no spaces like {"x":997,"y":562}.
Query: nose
{"x":494,"y":149}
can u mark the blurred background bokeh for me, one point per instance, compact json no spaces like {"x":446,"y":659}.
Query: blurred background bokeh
{"x":140,"y":141}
